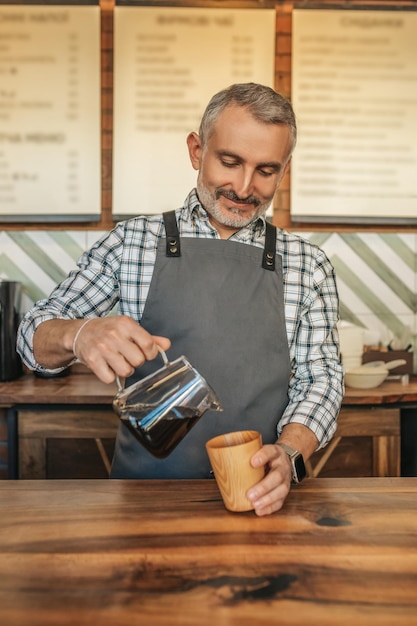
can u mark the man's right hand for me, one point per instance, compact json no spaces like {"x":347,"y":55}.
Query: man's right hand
{"x":109,"y":346}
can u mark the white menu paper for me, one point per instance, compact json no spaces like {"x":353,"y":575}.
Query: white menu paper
{"x":49,"y":112}
{"x":354,"y":83}
{"x":168,"y":63}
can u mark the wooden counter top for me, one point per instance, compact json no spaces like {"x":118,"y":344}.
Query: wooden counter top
{"x":167,"y":553}
{"x":390,"y":392}
{"x":78,"y":387}
{"x":83,"y":387}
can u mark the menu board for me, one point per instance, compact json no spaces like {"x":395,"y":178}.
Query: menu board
{"x":168,"y":63}
{"x":49,"y":112}
{"x":354,"y":80}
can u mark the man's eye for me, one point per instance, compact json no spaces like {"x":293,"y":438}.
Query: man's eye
{"x":266,"y":173}
{"x":229,"y":164}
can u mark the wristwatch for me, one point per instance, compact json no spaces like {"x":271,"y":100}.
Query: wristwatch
{"x":297,"y":463}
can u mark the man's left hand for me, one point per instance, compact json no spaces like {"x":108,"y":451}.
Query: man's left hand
{"x":269,"y":494}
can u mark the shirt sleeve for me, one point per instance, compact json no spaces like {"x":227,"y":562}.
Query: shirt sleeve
{"x":91,"y":290}
{"x":316,"y":386}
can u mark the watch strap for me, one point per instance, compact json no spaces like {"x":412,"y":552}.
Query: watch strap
{"x":298,"y":469}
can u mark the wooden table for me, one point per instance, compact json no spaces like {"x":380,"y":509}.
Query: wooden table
{"x":82,"y":387}
{"x":391,"y":392}
{"x":167,"y":553}
{"x":78,"y":387}
{"x":79,"y":406}
{"x":374,"y":413}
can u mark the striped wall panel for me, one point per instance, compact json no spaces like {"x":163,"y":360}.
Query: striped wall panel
{"x":376,"y":273}
{"x":377,"y":280}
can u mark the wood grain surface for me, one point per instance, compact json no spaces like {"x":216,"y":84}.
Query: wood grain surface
{"x":371,"y":413}
{"x":390,"y":392}
{"x":83,"y":387}
{"x":79,"y":387}
{"x":163,"y":553}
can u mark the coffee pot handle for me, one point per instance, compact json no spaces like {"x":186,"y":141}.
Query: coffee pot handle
{"x":165,"y":359}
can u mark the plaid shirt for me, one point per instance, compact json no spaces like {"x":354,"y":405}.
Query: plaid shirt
{"x":118,"y":269}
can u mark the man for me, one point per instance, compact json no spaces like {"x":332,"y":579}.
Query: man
{"x":253,"y":308}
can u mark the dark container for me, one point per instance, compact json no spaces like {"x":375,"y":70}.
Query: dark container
{"x":10,"y":362}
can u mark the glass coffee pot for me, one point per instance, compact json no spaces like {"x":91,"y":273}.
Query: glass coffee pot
{"x":162,"y":408}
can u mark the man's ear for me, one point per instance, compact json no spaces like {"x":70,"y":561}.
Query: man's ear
{"x":194,"y":150}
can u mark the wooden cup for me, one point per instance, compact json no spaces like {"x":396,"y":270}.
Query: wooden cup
{"x":230,"y":456}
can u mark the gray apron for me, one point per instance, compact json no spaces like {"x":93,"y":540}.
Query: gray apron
{"x":221,"y":304}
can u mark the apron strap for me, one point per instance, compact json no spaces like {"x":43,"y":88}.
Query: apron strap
{"x":173,"y":247}
{"x":268,"y":259}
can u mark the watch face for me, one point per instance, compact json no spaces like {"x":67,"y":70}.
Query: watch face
{"x":300,"y":468}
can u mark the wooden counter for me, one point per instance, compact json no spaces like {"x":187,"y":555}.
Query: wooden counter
{"x":376,"y":414}
{"x":75,"y":406}
{"x":82,"y":387}
{"x":167,"y":553}
{"x":390,"y":392}
{"x":80,"y":406}
{"x":79,"y":387}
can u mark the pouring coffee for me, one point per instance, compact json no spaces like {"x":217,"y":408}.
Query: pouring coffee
{"x":162,"y":408}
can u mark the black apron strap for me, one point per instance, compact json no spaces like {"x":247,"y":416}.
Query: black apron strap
{"x":268,"y":259}
{"x":173,"y":247}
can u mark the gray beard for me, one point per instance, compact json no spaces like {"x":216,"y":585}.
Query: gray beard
{"x":231,"y":217}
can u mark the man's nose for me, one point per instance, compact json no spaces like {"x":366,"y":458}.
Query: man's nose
{"x":244,"y":183}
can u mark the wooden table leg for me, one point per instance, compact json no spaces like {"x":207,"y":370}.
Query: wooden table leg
{"x":313,"y":472}
{"x":386,"y":456}
{"x":32,"y":458}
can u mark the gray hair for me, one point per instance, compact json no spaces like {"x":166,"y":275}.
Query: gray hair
{"x":265,"y":104}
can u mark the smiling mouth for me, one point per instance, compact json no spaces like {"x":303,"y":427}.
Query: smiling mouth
{"x":243,"y":202}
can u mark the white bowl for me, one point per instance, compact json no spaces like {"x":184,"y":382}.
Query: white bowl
{"x":370,"y":374}
{"x":365,"y":379}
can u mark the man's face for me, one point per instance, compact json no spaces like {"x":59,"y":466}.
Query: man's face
{"x":240,"y":167}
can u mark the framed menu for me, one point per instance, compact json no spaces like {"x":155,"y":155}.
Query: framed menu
{"x":50,"y":111}
{"x":168,"y":63}
{"x":354,"y":91}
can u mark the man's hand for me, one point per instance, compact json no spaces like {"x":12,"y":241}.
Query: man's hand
{"x":269,"y":494}
{"x":109,"y":346}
